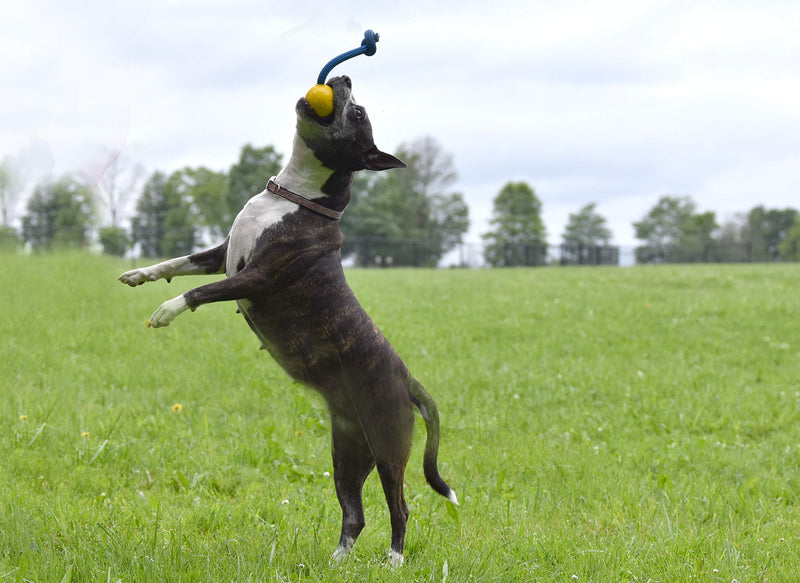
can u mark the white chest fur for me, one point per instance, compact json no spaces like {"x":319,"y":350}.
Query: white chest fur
{"x":304,"y":174}
{"x":261,"y":212}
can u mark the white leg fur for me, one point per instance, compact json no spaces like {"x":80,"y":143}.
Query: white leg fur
{"x":167,"y":312}
{"x":166,"y":269}
{"x":342,"y":551}
{"x":395,"y":559}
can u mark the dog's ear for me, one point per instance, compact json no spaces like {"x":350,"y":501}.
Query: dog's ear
{"x":374,"y":159}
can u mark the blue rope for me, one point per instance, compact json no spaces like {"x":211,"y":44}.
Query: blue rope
{"x":367,"y":47}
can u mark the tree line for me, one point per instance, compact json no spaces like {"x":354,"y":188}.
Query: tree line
{"x":175,"y":213}
{"x":409,"y":217}
{"x":672,"y":231}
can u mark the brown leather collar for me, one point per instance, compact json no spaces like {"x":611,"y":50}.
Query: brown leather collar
{"x":274,"y":188}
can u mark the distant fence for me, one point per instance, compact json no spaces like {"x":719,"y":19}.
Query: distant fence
{"x":397,"y":252}
{"x":383,"y":252}
{"x":715,"y":252}
{"x":387,"y":252}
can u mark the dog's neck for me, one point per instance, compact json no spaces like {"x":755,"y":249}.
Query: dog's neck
{"x":305,"y":175}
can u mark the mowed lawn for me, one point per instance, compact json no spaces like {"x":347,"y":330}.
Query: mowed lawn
{"x":598,"y":424}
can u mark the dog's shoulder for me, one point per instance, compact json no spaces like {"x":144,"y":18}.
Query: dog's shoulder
{"x":260,"y":215}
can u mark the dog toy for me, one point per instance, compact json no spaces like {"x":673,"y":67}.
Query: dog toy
{"x":320,"y":96}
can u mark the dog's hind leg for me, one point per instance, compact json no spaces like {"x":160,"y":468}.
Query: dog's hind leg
{"x":392,"y":474}
{"x":386,"y":424}
{"x":352,"y":463}
{"x":389,"y":434}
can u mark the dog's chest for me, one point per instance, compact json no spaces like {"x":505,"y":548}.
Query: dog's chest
{"x":261,"y":213}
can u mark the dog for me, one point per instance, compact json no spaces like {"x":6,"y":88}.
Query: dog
{"x":283,"y":264}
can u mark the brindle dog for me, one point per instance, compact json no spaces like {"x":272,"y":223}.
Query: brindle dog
{"x":284,"y":269}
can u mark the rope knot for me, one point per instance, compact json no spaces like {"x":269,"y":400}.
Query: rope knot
{"x":370,"y":38}
{"x":368,"y":47}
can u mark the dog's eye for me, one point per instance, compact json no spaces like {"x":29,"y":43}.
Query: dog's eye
{"x":358,"y":111}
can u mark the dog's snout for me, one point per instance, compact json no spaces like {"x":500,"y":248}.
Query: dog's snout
{"x":346,"y":80}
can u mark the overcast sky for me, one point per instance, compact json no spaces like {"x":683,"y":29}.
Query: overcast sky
{"x":612,"y":102}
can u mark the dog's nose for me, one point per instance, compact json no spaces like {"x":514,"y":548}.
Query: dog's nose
{"x":346,"y":80}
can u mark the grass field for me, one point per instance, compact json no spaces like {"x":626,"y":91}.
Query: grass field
{"x":598,"y":424}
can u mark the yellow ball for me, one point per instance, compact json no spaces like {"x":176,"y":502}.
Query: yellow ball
{"x":320,"y":97}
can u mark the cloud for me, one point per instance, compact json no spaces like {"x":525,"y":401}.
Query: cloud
{"x":615,"y":102}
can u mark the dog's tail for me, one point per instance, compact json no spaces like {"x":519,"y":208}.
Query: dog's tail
{"x":429,"y":412}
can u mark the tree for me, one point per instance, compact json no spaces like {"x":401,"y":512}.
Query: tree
{"x":789,"y":248}
{"x":116,"y":187}
{"x":164,"y":224}
{"x":586,"y":228}
{"x":59,"y":213}
{"x":209,"y":191}
{"x":665,"y":229}
{"x":115,"y":241}
{"x":113,"y":190}
{"x":766,"y":229}
{"x":585,"y":239}
{"x":248,"y":177}
{"x":408,"y":215}
{"x":697,"y":239}
{"x":519,"y":235}
{"x":730,"y":243}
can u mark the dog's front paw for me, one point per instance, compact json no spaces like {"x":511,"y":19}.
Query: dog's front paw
{"x":167,"y":312}
{"x":136,"y":277}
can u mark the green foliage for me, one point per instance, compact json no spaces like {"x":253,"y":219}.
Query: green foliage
{"x":164,"y":224}
{"x":517,"y":223}
{"x":249,"y":176}
{"x":170,"y":211}
{"x":663,"y":226}
{"x":411,"y":204}
{"x":789,"y":248}
{"x":209,"y":192}
{"x":674,"y":232}
{"x":114,"y":240}
{"x":587,"y":228}
{"x":766,"y":229}
{"x":58,"y":215}
{"x":633,"y":424}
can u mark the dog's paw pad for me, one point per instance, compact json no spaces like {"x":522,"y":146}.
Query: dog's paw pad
{"x":136,"y":277}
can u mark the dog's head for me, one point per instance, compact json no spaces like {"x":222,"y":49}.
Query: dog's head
{"x":343,"y":140}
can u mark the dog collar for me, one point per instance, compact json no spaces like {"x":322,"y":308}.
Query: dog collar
{"x":275,"y":188}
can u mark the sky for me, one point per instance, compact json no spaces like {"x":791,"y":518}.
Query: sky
{"x":616,"y":102}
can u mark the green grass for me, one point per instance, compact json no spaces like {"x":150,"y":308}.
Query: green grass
{"x":601,"y":425}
